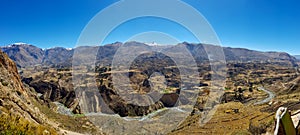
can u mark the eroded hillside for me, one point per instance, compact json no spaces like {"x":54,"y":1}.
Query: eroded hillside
{"x":23,"y":112}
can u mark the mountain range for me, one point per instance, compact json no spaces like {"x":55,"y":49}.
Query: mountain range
{"x":28,"y":55}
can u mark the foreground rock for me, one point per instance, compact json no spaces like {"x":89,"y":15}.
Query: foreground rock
{"x":18,"y":113}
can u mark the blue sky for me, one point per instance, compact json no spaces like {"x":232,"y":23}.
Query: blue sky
{"x":266,"y":25}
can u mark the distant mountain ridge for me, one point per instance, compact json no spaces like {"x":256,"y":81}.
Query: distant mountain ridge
{"x":24,"y":54}
{"x":28,"y":55}
{"x":297,"y":57}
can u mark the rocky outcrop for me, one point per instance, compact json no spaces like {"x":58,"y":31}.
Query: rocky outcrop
{"x":170,"y":99}
{"x":121,"y":107}
{"x":15,"y":103}
{"x":55,"y":86}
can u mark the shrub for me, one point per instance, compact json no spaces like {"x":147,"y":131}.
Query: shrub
{"x":258,"y":129}
{"x":4,"y":83}
{"x":11,"y":124}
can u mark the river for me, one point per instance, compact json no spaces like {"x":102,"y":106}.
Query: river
{"x":268,"y":99}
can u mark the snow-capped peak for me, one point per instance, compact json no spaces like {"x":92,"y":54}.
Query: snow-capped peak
{"x":152,"y":44}
{"x":19,"y":43}
{"x":14,"y":44}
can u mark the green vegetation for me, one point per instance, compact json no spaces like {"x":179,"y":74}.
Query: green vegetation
{"x":11,"y":124}
{"x":168,"y":90}
{"x":259,"y":128}
{"x":165,"y":91}
{"x":226,"y":88}
{"x":79,"y":115}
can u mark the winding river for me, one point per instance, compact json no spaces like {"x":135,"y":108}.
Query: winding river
{"x":268,"y":99}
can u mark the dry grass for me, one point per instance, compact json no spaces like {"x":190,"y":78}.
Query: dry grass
{"x":225,"y":121}
{"x":11,"y":124}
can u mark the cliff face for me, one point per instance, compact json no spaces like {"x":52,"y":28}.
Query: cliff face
{"x":18,"y":114}
{"x":22,"y":112}
{"x":9,"y":74}
{"x":11,"y":88}
{"x":55,"y":86}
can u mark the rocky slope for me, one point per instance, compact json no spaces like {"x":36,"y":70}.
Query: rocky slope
{"x":22,"y":111}
{"x":18,"y":113}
